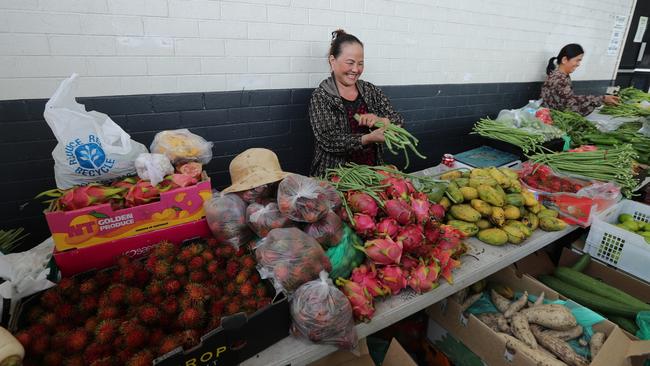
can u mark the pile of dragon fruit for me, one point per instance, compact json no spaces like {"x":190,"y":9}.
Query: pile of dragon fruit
{"x":123,"y":193}
{"x":406,"y":244}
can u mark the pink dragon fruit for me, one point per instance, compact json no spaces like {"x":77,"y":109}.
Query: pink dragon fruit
{"x":419,"y":196}
{"x":361,"y":301}
{"x":383,"y":251}
{"x":399,"y":210}
{"x":85,"y":196}
{"x":411,"y":237}
{"x":393,"y":277}
{"x":141,"y":193}
{"x":363,"y":203}
{"x":432,"y":232}
{"x":420,"y":210}
{"x":450,"y":237}
{"x":447,"y":270}
{"x":408,"y":262}
{"x":397,"y":188}
{"x":437,"y":212}
{"x":424,"y":277}
{"x":366,"y":276}
{"x":409,"y":186}
{"x":387,"y":227}
{"x":364,"y":225}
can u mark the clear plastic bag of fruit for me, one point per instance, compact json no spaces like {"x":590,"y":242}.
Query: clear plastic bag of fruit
{"x":302,"y":198}
{"x":322,"y":313}
{"x":327,"y":231}
{"x":289,"y":257}
{"x":262,"y":218}
{"x":226,"y":216}
{"x":331,"y":194}
{"x":258,"y":194}
{"x":182,"y":146}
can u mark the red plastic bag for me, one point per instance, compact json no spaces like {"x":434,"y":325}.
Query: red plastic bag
{"x":302,"y":198}
{"x":263,"y":218}
{"x":289,"y":257}
{"x":321,"y":313}
{"x":226,"y":216}
{"x":327,"y":231}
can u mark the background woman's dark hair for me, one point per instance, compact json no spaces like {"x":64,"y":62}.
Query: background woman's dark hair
{"x":569,"y":51}
{"x":339,"y":37}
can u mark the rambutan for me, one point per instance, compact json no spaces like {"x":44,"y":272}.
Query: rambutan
{"x":212,"y":267}
{"x":196,"y":248}
{"x":88,"y":287}
{"x":95,"y":352}
{"x":142,"y":277}
{"x":184,"y":255}
{"x":248,"y":262}
{"x":165,"y":250}
{"x":247,"y":289}
{"x":49,"y":320}
{"x":242,"y":276}
{"x":157,"y":300}
{"x":74,"y":360}
{"x":123,"y":260}
{"x":149,"y":314}
{"x":196,"y":293}
{"x":104,"y":361}
{"x":241,"y":251}
{"x":198,"y":276}
{"x":263,"y":302}
{"x":59,"y":340}
{"x":169,"y":344}
{"x":161,"y":269}
{"x":135,"y":296}
{"x":135,"y":337}
{"x":172,"y":286}
{"x":34,"y":314}
{"x":77,"y":340}
{"x":215,"y":292}
{"x":250,"y":304}
{"x":233,"y":308}
{"x":64,"y":311}
{"x":216,"y":308}
{"x":39,"y":344}
{"x":231,"y":288}
{"x":53,"y":358}
{"x":191,"y":318}
{"x":124,"y":355}
{"x":255,"y":278}
{"x":196,"y":263}
{"x":117,"y":293}
{"x":190,"y":338}
{"x":103,"y":278}
{"x":108,"y":312}
{"x":260,"y":291}
{"x":64,"y":327}
{"x":67,"y":286}
{"x":156,"y":336}
{"x":227,"y":251}
{"x":207,"y":256}
{"x":214,"y":323}
{"x":212,"y":242}
{"x":106,"y":331}
{"x":24,"y":338}
{"x":91,"y":324}
{"x":220,"y":277}
{"x":128,"y":274}
{"x":150,"y":262}
{"x":179,"y":269}
{"x":88,"y":304}
{"x":232,"y":268}
{"x":51,"y":298}
{"x":154,"y":288}
{"x":170,"y":306}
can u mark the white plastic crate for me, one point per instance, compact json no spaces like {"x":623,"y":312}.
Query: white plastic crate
{"x":618,"y":247}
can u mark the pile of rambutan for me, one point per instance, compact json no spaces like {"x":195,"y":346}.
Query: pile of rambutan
{"x":140,"y":310}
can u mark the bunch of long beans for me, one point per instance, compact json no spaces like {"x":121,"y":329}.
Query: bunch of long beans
{"x":397,"y":137}
{"x":10,"y":239}
{"x":630,"y":104}
{"x":499,"y":131}
{"x":574,"y":125}
{"x":615,"y":165}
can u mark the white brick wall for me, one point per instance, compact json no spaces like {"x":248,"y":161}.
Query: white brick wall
{"x":163,"y":46}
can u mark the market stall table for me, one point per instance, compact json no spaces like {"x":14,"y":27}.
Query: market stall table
{"x":482,"y":261}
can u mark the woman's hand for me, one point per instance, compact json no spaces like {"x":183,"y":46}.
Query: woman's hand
{"x":374,"y":136}
{"x":369,"y":119}
{"x":611,"y":100}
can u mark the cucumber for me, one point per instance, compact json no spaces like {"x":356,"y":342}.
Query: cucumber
{"x":582,"y":263}
{"x":589,"y":299}
{"x":624,"y":323}
{"x":594,"y":286}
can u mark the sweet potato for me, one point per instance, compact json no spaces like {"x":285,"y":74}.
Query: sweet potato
{"x":558,"y":347}
{"x":469,"y":301}
{"x":566,"y":335}
{"x":499,"y":301}
{"x":553,"y":316}
{"x":521,"y":330}
{"x":540,"y":358}
{"x":596,"y":343}
{"x":491,"y":320}
{"x":517,"y":305}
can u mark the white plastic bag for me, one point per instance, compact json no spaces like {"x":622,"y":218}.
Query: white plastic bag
{"x":607,"y":123}
{"x":182,"y":146}
{"x":91,"y":147}
{"x":153,"y":167}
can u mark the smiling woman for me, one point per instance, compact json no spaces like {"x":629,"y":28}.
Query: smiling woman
{"x":557,"y":91}
{"x":340,"y":138}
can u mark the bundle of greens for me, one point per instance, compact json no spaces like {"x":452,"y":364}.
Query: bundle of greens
{"x":10,"y":239}
{"x":574,"y":125}
{"x":397,"y":137}
{"x":612,"y":165}
{"x":526,"y":140}
{"x":631,"y":104}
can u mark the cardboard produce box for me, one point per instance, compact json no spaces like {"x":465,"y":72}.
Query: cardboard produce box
{"x":101,"y":224}
{"x":395,"y":356}
{"x":100,"y":256}
{"x":484,"y":342}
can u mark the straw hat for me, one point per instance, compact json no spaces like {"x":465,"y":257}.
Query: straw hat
{"x":253,"y":168}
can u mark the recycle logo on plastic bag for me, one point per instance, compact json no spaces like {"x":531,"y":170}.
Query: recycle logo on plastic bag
{"x":90,"y":155}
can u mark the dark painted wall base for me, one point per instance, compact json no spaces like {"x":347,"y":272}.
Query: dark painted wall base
{"x":441,"y":116}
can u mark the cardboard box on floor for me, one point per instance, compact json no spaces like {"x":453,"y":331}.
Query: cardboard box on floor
{"x":395,"y":356}
{"x":485,"y":343}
